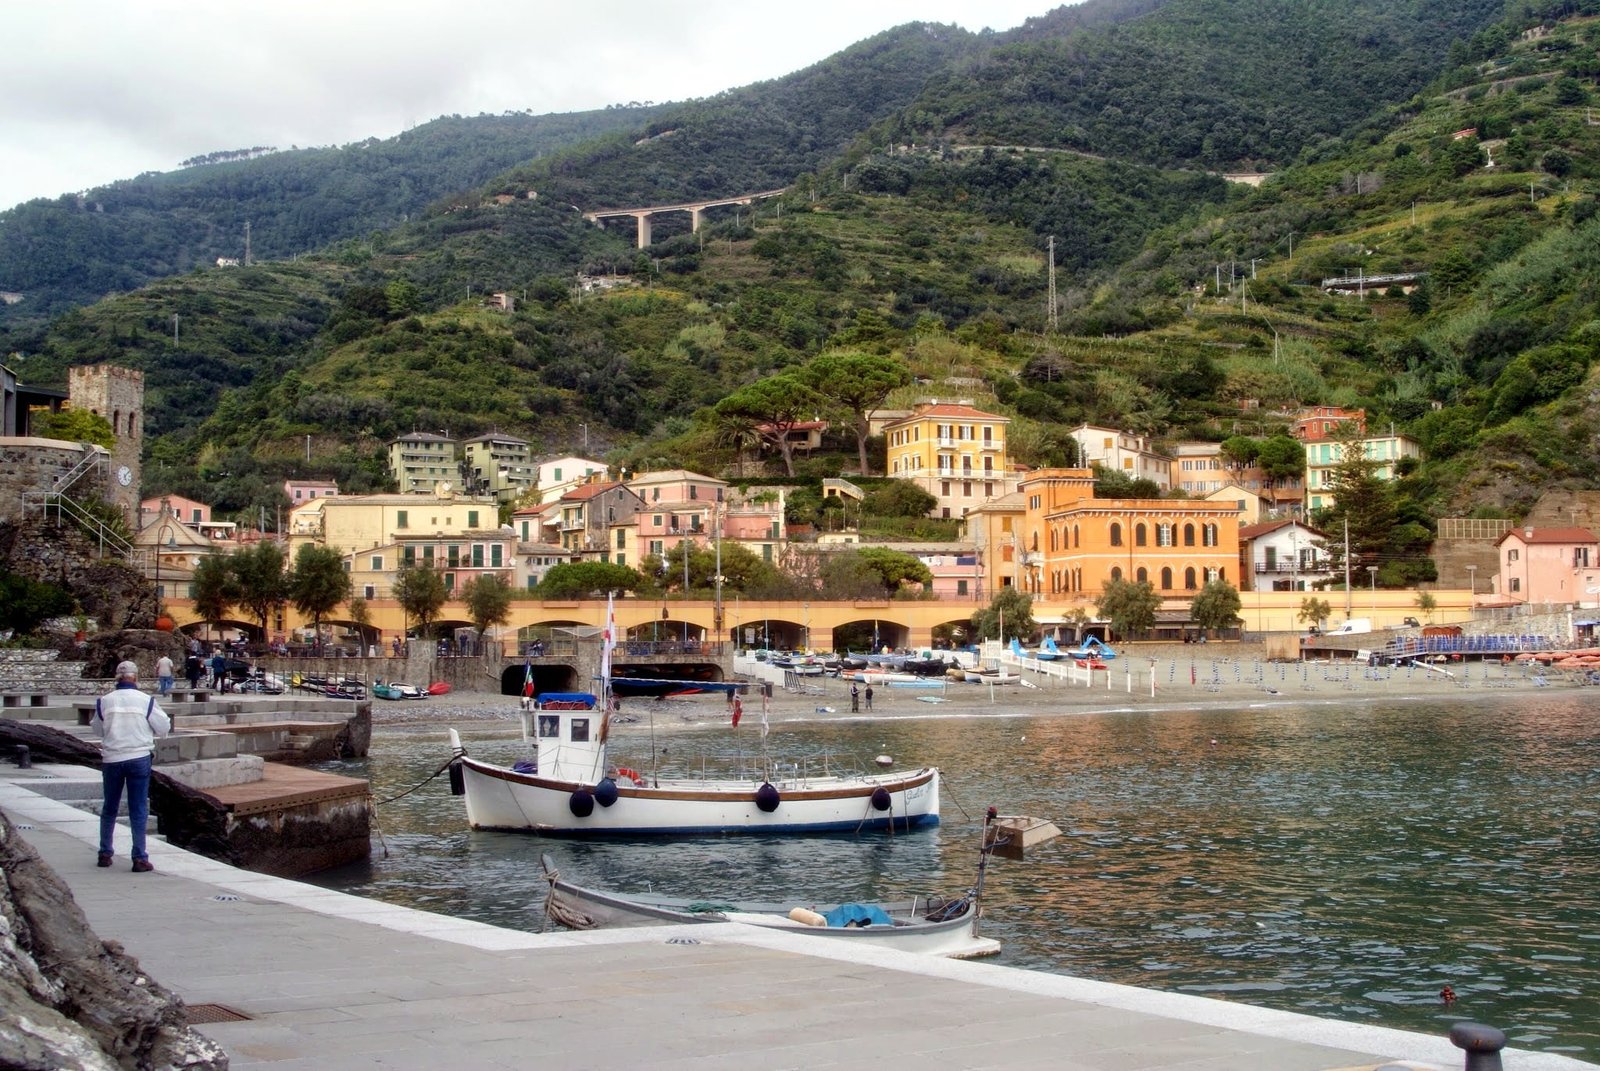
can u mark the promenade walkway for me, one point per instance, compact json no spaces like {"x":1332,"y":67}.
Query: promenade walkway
{"x":330,"y":981}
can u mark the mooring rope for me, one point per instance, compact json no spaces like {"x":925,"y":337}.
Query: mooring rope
{"x":556,"y":911}
{"x":454,"y":756}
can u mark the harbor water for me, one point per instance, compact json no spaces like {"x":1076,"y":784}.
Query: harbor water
{"x":1347,"y":860}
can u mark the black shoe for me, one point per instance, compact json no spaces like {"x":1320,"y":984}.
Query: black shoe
{"x":142,"y":866}
{"x":104,"y":859}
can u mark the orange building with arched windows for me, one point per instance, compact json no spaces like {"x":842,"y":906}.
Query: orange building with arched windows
{"x":1074,"y":542}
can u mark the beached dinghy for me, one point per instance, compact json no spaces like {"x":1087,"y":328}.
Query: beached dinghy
{"x":570,"y":787}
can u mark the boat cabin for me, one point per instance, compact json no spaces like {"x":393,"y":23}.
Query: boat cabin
{"x":567,"y":731}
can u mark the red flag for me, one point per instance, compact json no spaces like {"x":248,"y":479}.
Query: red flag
{"x":738,"y":711}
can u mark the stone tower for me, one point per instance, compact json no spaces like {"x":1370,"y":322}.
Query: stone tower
{"x":118,"y":395}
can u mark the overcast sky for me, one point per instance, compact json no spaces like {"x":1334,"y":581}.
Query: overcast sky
{"x":97,"y":90}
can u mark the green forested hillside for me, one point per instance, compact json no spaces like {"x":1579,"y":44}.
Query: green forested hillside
{"x":1188,"y":307}
{"x":73,"y":249}
{"x":1230,"y":84}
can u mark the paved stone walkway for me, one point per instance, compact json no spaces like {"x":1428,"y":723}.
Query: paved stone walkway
{"x":330,"y":981}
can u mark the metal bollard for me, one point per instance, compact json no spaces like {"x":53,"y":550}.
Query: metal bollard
{"x":24,"y":758}
{"x":1482,"y":1045}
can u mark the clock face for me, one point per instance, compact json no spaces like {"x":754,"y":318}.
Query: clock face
{"x":124,"y":475}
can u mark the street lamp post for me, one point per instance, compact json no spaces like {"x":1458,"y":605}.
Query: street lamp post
{"x":1472,"y":580}
{"x":1372,"y":574}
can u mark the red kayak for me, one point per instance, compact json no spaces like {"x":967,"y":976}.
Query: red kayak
{"x":438,"y":688}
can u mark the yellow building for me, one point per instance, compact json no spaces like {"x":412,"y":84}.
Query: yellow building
{"x":352,"y":523}
{"x":1075,"y":542}
{"x":994,"y":529}
{"x":954,"y":452}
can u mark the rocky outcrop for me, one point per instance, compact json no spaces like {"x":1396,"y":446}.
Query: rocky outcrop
{"x":111,"y":592}
{"x":69,"y":1000}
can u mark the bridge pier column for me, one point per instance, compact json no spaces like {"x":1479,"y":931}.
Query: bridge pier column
{"x":695,"y":216}
{"x":644,"y":229}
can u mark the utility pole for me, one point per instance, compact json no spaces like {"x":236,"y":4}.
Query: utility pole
{"x":174,"y":329}
{"x":247,"y":243}
{"x":1051,"y":316}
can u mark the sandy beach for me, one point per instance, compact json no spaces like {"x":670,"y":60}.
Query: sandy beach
{"x":1186,"y":678}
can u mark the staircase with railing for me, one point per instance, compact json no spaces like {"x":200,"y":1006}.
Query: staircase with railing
{"x":46,"y":505}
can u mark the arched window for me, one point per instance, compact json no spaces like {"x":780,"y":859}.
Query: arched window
{"x":1209,"y":534}
{"x":1164,"y":535}
{"x":1188,"y":579}
{"x":1036,"y":541}
{"x":1141,"y":576}
{"x":1116,"y":572}
{"x":1166,"y":579}
{"x":1139,"y":538}
{"x":1188,"y":535}
{"x":1077,"y":537}
{"x":1052,"y":541}
{"x":1077,"y":579}
{"x":1222,"y":574}
{"x":1116,"y":534}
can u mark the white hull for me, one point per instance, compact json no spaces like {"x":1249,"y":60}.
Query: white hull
{"x":911,"y":932}
{"x":498,"y":797}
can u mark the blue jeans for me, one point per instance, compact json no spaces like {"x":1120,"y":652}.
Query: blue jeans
{"x":166,"y":685}
{"x":135,"y":774}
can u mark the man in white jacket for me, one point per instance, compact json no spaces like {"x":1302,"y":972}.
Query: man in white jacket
{"x":127,"y":722}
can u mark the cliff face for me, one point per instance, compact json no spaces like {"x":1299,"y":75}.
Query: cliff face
{"x":69,"y":1000}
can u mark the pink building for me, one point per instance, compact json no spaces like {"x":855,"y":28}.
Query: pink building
{"x":1549,"y":565}
{"x":186,"y":510}
{"x":305,"y":490}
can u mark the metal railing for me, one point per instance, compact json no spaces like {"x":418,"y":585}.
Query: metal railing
{"x":91,"y":461}
{"x":110,"y":542}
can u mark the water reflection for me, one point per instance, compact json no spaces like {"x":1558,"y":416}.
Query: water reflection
{"x":1342,"y":862}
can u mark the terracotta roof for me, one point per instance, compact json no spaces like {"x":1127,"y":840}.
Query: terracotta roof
{"x":1549,"y":535}
{"x":586,"y":491}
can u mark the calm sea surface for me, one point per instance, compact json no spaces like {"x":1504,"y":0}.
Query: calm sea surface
{"x":1342,"y":861}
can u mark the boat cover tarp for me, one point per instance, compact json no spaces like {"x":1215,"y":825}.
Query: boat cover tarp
{"x":587,"y":699}
{"x":858,"y":915}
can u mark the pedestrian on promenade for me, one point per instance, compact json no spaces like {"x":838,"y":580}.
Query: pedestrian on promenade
{"x":868,"y":696}
{"x":127,"y":722}
{"x":164,"y":675}
{"x":219,"y":668}
{"x":855,"y":699}
{"x":193,"y":668}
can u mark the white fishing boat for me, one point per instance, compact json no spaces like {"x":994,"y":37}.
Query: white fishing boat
{"x":932,"y":926}
{"x":571,"y":787}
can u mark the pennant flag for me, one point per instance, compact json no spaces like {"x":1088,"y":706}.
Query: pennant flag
{"x":527,"y":677}
{"x":608,"y":638}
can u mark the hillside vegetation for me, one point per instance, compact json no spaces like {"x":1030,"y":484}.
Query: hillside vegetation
{"x":1189,"y":307}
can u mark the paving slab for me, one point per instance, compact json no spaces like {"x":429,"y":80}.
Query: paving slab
{"x":331,"y":981}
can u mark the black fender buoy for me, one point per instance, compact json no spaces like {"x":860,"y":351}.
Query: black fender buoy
{"x":581,"y":803}
{"x":767,"y":798}
{"x":880,"y":799}
{"x":458,"y":780}
{"x":605,"y":793}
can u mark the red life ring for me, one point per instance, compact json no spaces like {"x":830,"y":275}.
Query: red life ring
{"x":631,"y":774}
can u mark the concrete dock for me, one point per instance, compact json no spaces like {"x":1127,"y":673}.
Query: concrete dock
{"x":327,"y":981}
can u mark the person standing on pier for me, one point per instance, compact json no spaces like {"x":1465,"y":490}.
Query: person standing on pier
{"x":127,"y":722}
{"x":164,"y":675}
{"x":867,"y":695}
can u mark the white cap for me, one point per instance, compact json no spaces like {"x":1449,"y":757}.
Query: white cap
{"x":127,"y":669}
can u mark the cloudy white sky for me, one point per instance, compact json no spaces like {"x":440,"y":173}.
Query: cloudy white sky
{"x":97,"y":90}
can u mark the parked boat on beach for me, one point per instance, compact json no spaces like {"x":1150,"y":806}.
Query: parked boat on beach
{"x":571,"y":787}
